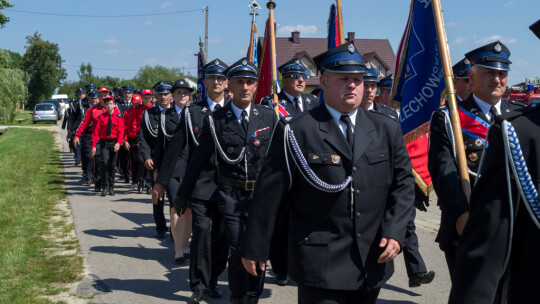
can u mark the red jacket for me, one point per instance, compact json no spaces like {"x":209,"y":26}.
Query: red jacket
{"x":100,"y":131}
{"x":133,"y":121}
{"x":91,"y":118}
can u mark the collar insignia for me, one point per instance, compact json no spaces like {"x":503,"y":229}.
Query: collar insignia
{"x":255,"y":111}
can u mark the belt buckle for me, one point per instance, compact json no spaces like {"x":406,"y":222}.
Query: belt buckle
{"x":249,"y":185}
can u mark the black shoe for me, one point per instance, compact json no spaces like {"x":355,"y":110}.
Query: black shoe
{"x":282,"y":279}
{"x":126,"y":180}
{"x":187,"y":255}
{"x":86,"y":182}
{"x":215,"y":292}
{"x":139,"y":187}
{"x":111,"y":192}
{"x":160,"y":235}
{"x":421,"y":278}
{"x":97,"y":189}
{"x":197,"y":296}
{"x":180,"y":260}
{"x":103,"y":192}
{"x":148,"y":190}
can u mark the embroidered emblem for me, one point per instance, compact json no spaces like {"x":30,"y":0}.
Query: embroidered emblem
{"x":256,"y":142}
{"x":255,"y":111}
{"x":473,"y":156}
{"x":478,"y":142}
{"x":244,"y":62}
{"x":351,"y":48}
{"x":497,"y":48}
{"x":335,"y":159}
{"x":230,"y":150}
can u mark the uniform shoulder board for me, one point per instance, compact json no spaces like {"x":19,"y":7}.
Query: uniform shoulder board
{"x":263,"y":107}
{"x":311,"y":97}
{"x":289,"y":119}
{"x":383,"y":114}
{"x":515,"y":114}
{"x":518,"y":103}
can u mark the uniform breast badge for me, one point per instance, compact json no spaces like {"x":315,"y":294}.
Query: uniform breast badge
{"x":473,"y":156}
{"x":335,"y":159}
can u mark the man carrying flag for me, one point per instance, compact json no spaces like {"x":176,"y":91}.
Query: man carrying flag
{"x":488,"y":77}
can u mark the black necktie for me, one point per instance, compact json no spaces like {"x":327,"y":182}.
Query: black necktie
{"x":494,"y":113}
{"x":109,"y":127}
{"x":297,"y":104}
{"x":244,"y":121}
{"x":350,"y":137}
{"x":217,"y":107}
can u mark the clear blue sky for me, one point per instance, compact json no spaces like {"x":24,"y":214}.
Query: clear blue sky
{"x":125,"y":44}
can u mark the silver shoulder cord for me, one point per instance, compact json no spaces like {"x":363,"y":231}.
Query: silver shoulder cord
{"x":218,"y":146}
{"x":190,"y":127}
{"x":292,"y":146}
{"x":451,"y":138}
{"x":148,"y":126}
{"x":162,"y":122}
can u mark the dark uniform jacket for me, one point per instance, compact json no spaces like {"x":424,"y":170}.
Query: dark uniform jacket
{"x":79,"y":111}
{"x":149,"y":131}
{"x":443,"y":169}
{"x":168,"y":124}
{"x":123,"y":106}
{"x":333,"y":245}
{"x":232,"y":138}
{"x":308,"y":101}
{"x":184,"y":136}
{"x":488,"y":234}
{"x":385,"y":110}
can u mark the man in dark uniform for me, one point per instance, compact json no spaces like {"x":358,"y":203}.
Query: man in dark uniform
{"x":414,"y":263}
{"x":503,"y":229}
{"x":117,"y":91}
{"x":109,"y":131}
{"x":351,"y":189}
{"x":209,"y":249}
{"x":170,"y":118}
{"x":123,"y":154}
{"x":386,"y":88}
{"x":295,"y":101}
{"x":461,"y":79}
{"x":240,"y":133}
{"x":488,"y":77}
{"x":147,"y":145}
{"x":86,"y":137}
{"x":70,"y":120}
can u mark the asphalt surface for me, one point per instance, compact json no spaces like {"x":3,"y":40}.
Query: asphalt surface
{"x":125,"y":263}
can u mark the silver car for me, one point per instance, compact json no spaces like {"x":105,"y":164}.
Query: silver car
{"x":44,"y":112}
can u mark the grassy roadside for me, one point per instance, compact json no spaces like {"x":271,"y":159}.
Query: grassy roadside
{"x":36,"y":256}
{"x":27,"y":120}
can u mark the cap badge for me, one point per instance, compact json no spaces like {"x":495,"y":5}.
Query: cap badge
{"x":244,"y":62}
{"x":498,"y":48}
{"x":368,"y":66}
{"x":297,"y":61}
{"x":256,"y":142}
{"x":216,"y":62}
{"x":351,"y":48}
{"x":335,"y":159}
{"x":466,"y":61}
{"x":161,"y":83}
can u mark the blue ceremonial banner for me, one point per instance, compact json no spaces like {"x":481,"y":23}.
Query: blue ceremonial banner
{"x":201,"y":61}
{"x":419,"y":81}
{"x":333,"y":28}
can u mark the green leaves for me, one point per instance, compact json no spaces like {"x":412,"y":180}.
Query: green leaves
{"x":13,"y":90}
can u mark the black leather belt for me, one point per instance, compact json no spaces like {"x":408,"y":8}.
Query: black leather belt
{"x":246,"y":185}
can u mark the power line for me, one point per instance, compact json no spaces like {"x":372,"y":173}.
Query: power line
{"x":97,"y":68}
{"x":103,"y":16}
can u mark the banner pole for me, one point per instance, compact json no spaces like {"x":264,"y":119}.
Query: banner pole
{"x":451,"y":98}
{"x":340,"y":23}
{"x":271,"y":5}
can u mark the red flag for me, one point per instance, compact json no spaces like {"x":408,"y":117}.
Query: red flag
{"x":265,"y":69}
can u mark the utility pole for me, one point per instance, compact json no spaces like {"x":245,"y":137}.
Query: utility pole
{"x":206,"y":31}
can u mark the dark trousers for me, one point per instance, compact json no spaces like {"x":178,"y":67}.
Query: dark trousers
{"x":108,"y":163}
{"x":136,"y":161}
{"x":157,"y":211}
{"x":77,"y":153}
{"x":241,"y":283}
{"x":209,"y":251}
{"x":123,"y":162}
{"x":413,"y":260}
{"x":310,"y":295}
{"x":451,"y":263}
{"x":86,"y":154}
{"x":279,"y":244}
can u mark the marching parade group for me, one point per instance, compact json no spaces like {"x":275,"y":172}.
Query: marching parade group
{"x":326,"y":193}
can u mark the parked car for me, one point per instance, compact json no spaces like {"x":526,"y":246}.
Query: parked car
{"x":45,"y":112}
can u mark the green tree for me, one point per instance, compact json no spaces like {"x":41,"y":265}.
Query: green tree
{"x":85,"y":73}
{"x":148,"y":76}
{"x":3,"y":18}
{"x":13,"y":90}
{"x":43,"y":63}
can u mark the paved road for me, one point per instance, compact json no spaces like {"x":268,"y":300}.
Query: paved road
{"x":126,"y":264}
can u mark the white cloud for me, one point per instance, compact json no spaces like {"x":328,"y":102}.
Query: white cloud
{"x":112,"y":51}
{"x":452,"y":24}
{"x":486,"y":40}
{"x":215,"y":40}
{"x":165,"y":4}
{"x":111,"y":41}
{"x":148,"y":23}
{"x":459,"y":40}
{"x":510,"y":3}
{"x":286,"y":30}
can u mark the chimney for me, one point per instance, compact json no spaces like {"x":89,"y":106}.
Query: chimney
{"x":295,"y":37}
{"x":350,"y":36}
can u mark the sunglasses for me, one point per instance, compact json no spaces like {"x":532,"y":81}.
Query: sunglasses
{"x":296,"y":75}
